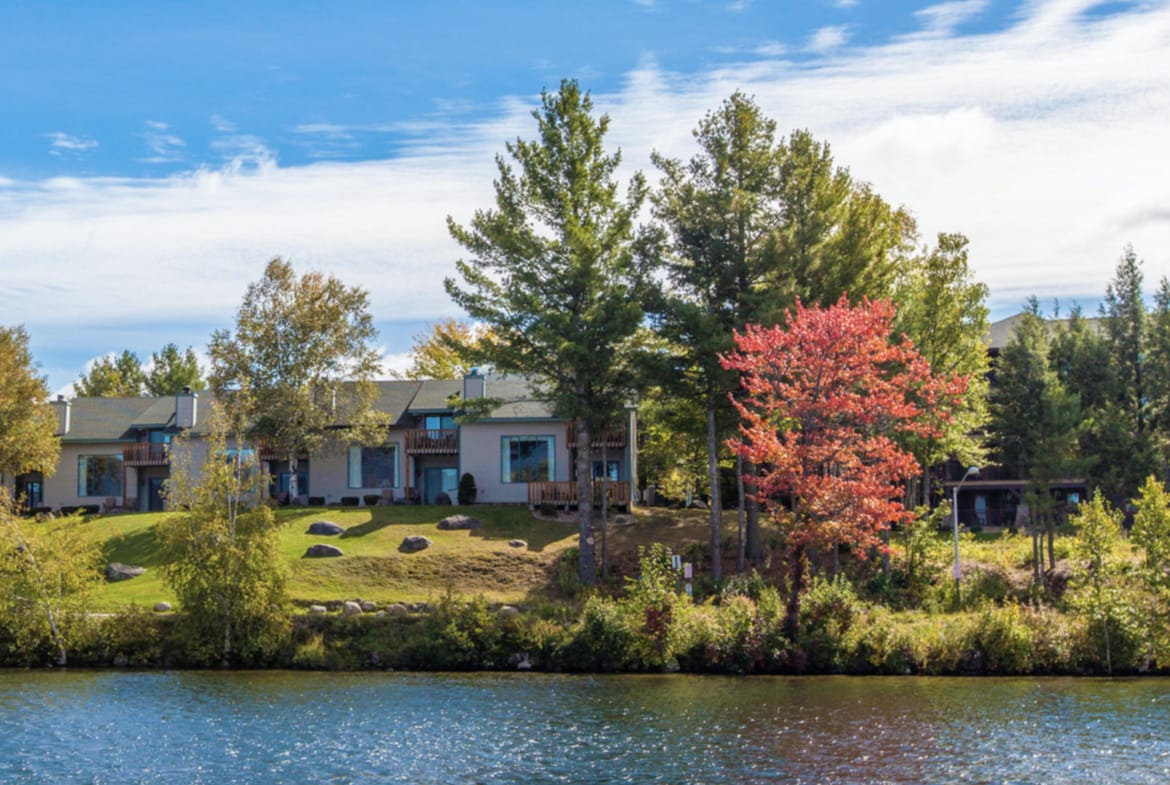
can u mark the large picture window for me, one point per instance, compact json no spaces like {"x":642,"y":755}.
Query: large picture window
{"x":527,"y":458}
{"x":99,"y":475}
{"x":373,"y":467}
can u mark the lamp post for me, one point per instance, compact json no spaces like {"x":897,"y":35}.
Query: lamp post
{"x":971,"y":471}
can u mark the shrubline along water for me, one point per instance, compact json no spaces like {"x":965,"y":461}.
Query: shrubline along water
{"x":215,"y":728}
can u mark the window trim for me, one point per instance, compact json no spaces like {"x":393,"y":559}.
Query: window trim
{"x":83,"y":473}
{"x":349,"y":466}
{"x":505,"y":457}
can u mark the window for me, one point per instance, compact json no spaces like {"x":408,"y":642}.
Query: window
{"x":99,"y":475}
{"x":614,"y":474}
{"x":373,"y":467}
{"x":439,"y":422}
{"x":527,"y":458}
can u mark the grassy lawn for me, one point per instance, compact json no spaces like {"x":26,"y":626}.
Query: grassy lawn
{"x":373,"y":568}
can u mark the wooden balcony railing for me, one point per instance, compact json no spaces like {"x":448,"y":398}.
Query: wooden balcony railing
{"x":433,"y":441}
{"x":612,"y":439}
{"x":564,"y":494}
{"x":146,"y":454}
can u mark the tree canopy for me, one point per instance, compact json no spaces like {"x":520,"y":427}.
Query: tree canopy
{"x":556,"y":275}
{"x":172,"y":371}
{"x":447,"y":351}
{"x":300,"y":363}
{"x":826,"y":400}
{"x":28,"y":426}
{"x":113,"y":377}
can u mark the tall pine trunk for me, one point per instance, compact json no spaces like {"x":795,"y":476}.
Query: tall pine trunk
{"x":586,"y":545}
{"x":716,"y":506}
{"x":742,"y":541}
{"x":751,"y":505}
{"x":797,"y":578}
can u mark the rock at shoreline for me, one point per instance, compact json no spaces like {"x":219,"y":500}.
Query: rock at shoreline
{"x":326,"y":528}
{"x":415,"y":543}
{"x":458,"y":522}
{"x":116,"y":571}
{"x":323,"y":551}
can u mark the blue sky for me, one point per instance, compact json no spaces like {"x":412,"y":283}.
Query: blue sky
{"x":153,"y":156}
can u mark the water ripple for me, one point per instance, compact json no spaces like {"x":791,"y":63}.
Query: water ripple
{"x":147,"y":728}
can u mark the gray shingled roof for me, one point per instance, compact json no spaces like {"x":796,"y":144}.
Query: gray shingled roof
{"x":117,"y":419}
{"x":517,"y":400}
{"x":104,"y":419}
{"x":433,"y":394}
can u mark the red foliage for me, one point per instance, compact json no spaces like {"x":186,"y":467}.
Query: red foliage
{"x":824,"y":401}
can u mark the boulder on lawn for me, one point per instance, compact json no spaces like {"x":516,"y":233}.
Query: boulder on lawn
{"x":162,"y":607}
{"x":517,"y":543}
{"x":351,"y":608}
{"x":326,"y":528}
{"x":396,"y":611}
{"x":116,"y":571}
{"x":508,"y":611}
{"x":457,"y":522}
{"x":323,"y":551}
{"x":415,"y":543}
{"x":318,"y":610}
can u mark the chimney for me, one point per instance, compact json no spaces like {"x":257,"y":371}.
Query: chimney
{"x":186,"y":409}
{"x":62,"y":407}
{"x":474,"y":386}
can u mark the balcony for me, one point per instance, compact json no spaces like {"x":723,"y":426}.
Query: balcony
{"x":433,"y":441}
{"x":612,"y":439}
{"x":564,"y":494}
{"x":147,"y":454}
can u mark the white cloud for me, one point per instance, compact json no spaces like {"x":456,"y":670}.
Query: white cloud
{"x":1041,"y":142}
{"x":771,"y":49}
{"x":945,"y":17}
{"x":61,"y":144}
{"x":827,"y":39}
{"x":162,"y":146}
{"x":844,"y":3}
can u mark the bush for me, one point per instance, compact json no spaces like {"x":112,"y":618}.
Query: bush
{"x":350,"y":501}
{"x":372,"y":499}
{"x":467,"y":489}
{"x":827,"y":612}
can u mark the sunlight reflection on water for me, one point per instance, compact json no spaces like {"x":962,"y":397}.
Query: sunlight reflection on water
{"x":504,"y":728}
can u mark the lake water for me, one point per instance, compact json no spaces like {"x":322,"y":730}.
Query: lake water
{"x":123,"y":728}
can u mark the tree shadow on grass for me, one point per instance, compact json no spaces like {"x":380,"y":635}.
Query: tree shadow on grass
{"x":139,"y":548}
{"x":369,"y":527}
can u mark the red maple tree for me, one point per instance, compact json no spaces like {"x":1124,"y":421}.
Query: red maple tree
{"x":824,"y":401}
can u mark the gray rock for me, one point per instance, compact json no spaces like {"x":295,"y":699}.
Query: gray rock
{"x":415,"y":543}
{"x":351,"y":608}
{"x":116,"y":571}
{"x":508,"y":611}
{"x":380,"y":615}
{"x":326,"y":528}
{"x":455,"y":522}
{"x":323,"y":551}
{"x":317,"y":610}
{"x":396,"y":611}
{"x":162,"y":607}
{"x":368,"y":606}
{"x":518,"y":543}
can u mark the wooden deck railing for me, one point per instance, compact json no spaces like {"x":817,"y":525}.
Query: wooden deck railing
{"x":612,"y":439}
{"x":146,"y":454}
{"x":564,"y":494}
{"x":432,"y":441}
